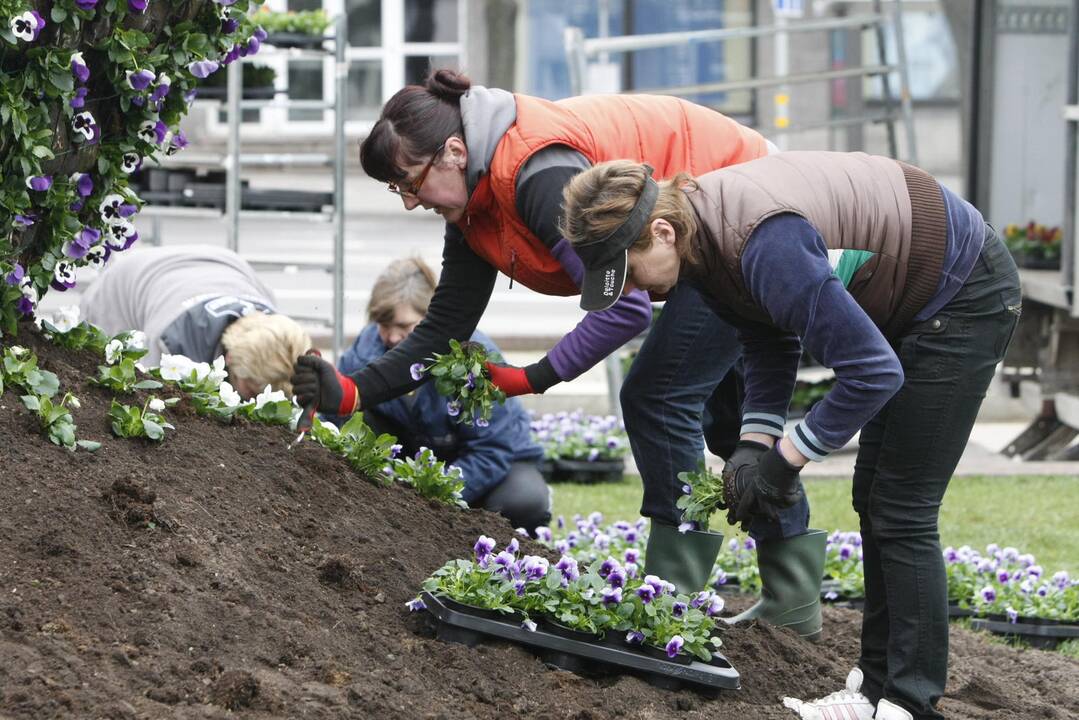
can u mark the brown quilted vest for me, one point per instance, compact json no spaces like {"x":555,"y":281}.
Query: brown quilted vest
{"x":855,"y":201}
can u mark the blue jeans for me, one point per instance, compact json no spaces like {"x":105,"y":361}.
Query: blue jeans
{"x":678,"y":370}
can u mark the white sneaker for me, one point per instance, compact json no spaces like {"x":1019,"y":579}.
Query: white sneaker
{"x":890,"y":711}
{"x":846,"y":704}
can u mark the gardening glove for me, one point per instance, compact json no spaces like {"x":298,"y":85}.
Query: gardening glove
{"x":760,"y":487}
{"x":534,"y":378}
{"x":317,"y":384}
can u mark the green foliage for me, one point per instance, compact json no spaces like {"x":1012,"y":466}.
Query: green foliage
{"x":461,"y":375}
{"x":122,"y":378}
{"x":20,"y":368}
{"x":430,"y":477}
{"x":705,"y":496}
{"x":82,"y":336}
{"x":130,"y":421}
{"x":367,"y":453}
{"x":53,"y":122}
{"x":1034,"y":241}
{"x":56,"y":421}
{"x":308,"y":22}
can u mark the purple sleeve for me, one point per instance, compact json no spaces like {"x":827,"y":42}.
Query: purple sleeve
{"x":599,"y":333}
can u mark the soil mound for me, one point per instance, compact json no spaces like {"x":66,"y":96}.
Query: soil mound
{"x":221,"y":575}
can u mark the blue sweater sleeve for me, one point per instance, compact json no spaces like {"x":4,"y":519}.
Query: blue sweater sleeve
{"x":787,"y":272}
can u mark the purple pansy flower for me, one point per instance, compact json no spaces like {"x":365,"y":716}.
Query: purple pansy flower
{"x":97,"y":256}
{"x":482,"y":422}
{"x":25,"y":220}
{"x":139,"y":80}
{"x":79,"y":68}
{"x":203,"y":68}
{"x":617,"y":577}
{"x":1012,"y":613}
{"x":164,"y":85}
{"x":988,"y":594}
{"x":678,"y":609}
{"x":229,"y":26}
{"x":567,"y":565}
{"x":84,"y":184}
{"x":453,"y":409}
{"x":506,"y":563}
{"x":483,"y":548}
{"x":647,"y":593}
{"x":130,"y":162}
{"x":750,"y":544}
{"x":416,"y":371}
{"x":16,"y":275}
{"x":529,"y":625}
{"x":534,"y":567}
{"x":39,"y":183}
{"x":700,"y":599}
{"x":138,"y":101}
{"x":633,"y":555}
{"x":415,"y":605}
{"x":78,"y":99}
{"x":634,"y":637}
{"x":260,"y":34}
{"x":514,"y":545}
{"x":252,"y":47}
{"x":86,"y":4}
{"x":846,"y":550}
{"x":674,"y":646}
{"x":715,"y":606}
{"x":721,"y":579}
{"x":120,"y":236}
{"x":137,"y":6}
{"x":81,"y":243}
{"x":231,"y":56}
{"x":611,"y":595}
{"x":687,"y":526}
{"x":831,"y":595}
{"x":226,"y":3}
{"x":177,"y":143}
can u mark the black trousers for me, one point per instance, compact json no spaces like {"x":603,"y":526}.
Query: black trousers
{"x":905,"y":460}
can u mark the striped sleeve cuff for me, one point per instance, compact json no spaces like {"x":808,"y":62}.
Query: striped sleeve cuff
{"x":808,"y":444}
{"x":766,"y":423}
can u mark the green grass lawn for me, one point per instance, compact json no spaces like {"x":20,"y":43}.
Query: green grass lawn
{"x":1039,"y":515}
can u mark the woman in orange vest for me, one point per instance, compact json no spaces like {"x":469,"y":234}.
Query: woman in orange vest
{"x":493,"y":165}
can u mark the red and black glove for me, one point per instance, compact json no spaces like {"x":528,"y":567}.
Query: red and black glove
{"x":535,"y":378}
{"x":317,"y":384}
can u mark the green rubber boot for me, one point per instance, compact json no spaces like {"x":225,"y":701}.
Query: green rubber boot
{"x":791,"y":571}
{"x":685,"y":559}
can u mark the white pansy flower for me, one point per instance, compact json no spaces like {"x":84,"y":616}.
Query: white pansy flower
{"x":18,"y":351}
{"x":175,"y":367}
{"x":66,"y":318}
{"x":74,"y":402}
{"x":268,"y":395}
{"x":218,"y":373}
{"x":228,"y":395}
{"x":114,"y":351}
{"x":136,"y":340}
{"x":157,"y":405}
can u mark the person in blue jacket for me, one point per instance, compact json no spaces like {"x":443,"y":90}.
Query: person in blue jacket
{"x":499,"y":463}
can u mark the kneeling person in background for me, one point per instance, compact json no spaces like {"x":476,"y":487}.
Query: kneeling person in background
{"x":499,"y":463}
{"x":202,"y":302}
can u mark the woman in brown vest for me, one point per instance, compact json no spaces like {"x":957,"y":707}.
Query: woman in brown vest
{"x":881,"y":274}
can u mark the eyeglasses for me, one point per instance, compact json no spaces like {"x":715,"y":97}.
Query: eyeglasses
{"x":412,"y":189}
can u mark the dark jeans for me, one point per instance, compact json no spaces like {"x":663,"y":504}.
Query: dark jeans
{"x":679,"y":368}
{"x":906,"y":457}
{"x":522,"y":497}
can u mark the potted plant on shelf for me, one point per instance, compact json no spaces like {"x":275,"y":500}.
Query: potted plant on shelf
{"x":581,"y":448}
{"x":292,"y":29}
{"x":1034,"y":246}
{"x":258,"y":82}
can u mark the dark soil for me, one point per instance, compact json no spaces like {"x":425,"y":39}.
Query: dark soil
{"x":221,"y":575}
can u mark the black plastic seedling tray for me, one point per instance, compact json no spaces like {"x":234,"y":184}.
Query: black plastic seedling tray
{"x":582,"y":657}
{"x":1045,"y":634}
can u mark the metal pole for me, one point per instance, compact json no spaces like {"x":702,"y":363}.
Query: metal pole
{"x":1069,"y":260}
{"x":341,"y":103}
{"x":781,"y":98}
{"x":233,"y":196}
{"x":885,"y":81}
{"x":576,"y":61}
{"x":905,"y":100}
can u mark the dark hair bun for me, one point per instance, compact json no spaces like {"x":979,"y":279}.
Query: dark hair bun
{"x":448,"y":85}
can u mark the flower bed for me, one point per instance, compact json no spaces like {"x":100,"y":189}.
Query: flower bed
{"x":582,"y":448}
{"x":1034,"y":246}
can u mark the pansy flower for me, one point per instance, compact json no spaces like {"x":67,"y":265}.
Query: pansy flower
{"x":674,"y":646}
{"x":177,"y":142}
{"x":137,"y":6}
{"x":147,"y":132}
{"x":130,"y":162}
{"x":16,"y":275}
{"x":483,"y":548}
{"x":162,"y":88}
{"x":114,"y":210}
{"x":647,"y":593}
{"x":86,"y":4}
{"x":203,"y":68}
{"x":25,"y":220}
{"x":139,"y":80}
{"x":84,"y":184}
{"x":120,"y":236}
{"x":453,"y":409}
{"x":39,"y":183}
{"x":78,"y":98}
{"x":567,"y":565}
{"x":482,"y":422}
{"x":231,"y":398}
{"x":611,"y":595}
{"x":634,"y":637}
{"x":81,"y":242}
{"x":63,"y":275}
{"x":534,"y":567}
{"x":415,"y":605}
{"x":27,"y":26}
{"x":85,"y":125}
{"x":79,"y":68}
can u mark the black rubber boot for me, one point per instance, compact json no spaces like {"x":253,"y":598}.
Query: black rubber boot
{"x":791,"y":572}
{"x":685,"y":559}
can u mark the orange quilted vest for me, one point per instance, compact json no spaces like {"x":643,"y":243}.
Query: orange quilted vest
{"x":670,"y":134}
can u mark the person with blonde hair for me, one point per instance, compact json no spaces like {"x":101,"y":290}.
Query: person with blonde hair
{"x":201,"y":302}
{"x":499,"y":463}
{"x":880,"y":273}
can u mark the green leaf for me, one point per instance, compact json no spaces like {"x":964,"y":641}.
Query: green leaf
{"x":147,"y":385}
{"x":31,"y":402}
{"x":152,"y":429}
{"x":91,"y":445}
{"x":58,"y":14}
{"x":43,"y":153}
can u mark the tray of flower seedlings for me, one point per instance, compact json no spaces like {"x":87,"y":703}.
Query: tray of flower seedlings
{"x":597,"y":620}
